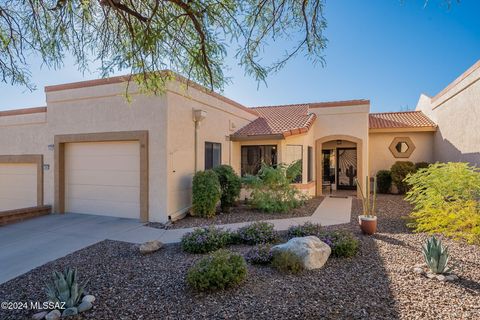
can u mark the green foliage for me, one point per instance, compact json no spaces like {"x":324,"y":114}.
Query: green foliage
{"x":306,"y":229}
{"x":400,"y":171}
{"x":205,"y":193}
{"x":203,"y":240}
{"x":143,"y":37}
{"x":220,"y":270}
{"x":368,"y":201}
{"x":384,"y":180}
{"x":436,"y":255}
{"x":343,"y":244}
{"x":261,"y":254}
{"x":256,"y":233}
{"x":421,"y":165}
{"x":294,"y":171}
{"x":230,"y":184}
{"x":287,"y":262}
{"x":446,"y":200}
{"x":272,"y":190}
{"x":65,"y":288}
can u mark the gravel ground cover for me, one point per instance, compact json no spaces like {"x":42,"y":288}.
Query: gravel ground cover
{"x":242,"y":213}
{"x":376,"y":284}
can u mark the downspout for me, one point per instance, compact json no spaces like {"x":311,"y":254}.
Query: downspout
{"x":198,"y":116}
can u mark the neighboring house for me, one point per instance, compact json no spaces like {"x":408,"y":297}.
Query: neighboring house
{"x":90,"y":151}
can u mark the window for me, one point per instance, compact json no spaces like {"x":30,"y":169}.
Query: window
{"x":310,"y":164}
{"x":402,"y":147}
{"x":213,"y":155}
{"x":293,"y":154}
{"x":254,"y":156}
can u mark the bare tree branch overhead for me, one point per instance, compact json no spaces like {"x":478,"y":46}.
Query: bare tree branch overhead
{"x":141,"y":37}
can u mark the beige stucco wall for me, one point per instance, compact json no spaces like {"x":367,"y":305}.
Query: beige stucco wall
{"x":222,"y":119}
{"x":457,"y":113}
{"x":380,"y":157}
{"x":343,"y":121}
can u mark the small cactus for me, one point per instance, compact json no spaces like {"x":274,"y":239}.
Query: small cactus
{"x":368,"y":201}
{"x":65,"y":288}
{"x":436,"y":256}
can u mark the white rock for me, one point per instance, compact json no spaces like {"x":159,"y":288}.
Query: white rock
{"x":53,"y":315}
{"x":430,"y":275}
{"x":150,"y":246}
{"x":418,"y":270}
{"x":39,"y":315}
{"x":84,"y":306}
{"x":89,"y":298}
{"x":449,"y":278}
{"x":441,"y":277}
{"x":312,"y":251}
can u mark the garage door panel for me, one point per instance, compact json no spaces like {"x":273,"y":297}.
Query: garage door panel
{"x":105,"y":163}
{"x":107,"y":208}
{"x":109,"y":193}
{"x":103,"y":178}
{"x":18,"y":186}
{"x":113,"y":178}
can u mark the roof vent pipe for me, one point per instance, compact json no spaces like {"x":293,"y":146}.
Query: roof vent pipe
{"x":198,"y":116}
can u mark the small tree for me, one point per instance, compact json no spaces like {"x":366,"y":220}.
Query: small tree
{"x":399,"y":171}
{"x":205,"y":193}
{"x":384,"y":180}
{"x":230,"y":184}
{"x":446,"y":198}
{"x":272,"y":190}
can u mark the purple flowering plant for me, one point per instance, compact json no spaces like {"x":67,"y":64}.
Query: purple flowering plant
{"x":203,"y":240}
{"x":260,"y":254}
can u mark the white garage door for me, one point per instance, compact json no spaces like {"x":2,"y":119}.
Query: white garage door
{"x":18,"y":185}
{"x":103,"y":178}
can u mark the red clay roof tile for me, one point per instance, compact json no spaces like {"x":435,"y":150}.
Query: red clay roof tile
{"x":406,"y":119}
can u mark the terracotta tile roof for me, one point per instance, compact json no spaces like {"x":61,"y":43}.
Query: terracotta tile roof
{"x":281,"y":121}
{"x":408,"y":119}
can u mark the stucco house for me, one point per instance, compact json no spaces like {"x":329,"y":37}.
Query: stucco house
{"x":90,"y":151}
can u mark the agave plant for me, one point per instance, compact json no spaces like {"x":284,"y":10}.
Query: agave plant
{"x":65,"y":288}
{"x":436,"y":255}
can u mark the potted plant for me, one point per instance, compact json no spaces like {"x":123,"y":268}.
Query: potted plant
{"x":368,"y":220}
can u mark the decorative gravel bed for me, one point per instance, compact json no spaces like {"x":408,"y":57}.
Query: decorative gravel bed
{"x":376,"y":284}
{"x":242,"y":213}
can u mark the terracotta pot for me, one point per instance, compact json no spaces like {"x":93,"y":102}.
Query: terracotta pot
{"x":368,"y":224}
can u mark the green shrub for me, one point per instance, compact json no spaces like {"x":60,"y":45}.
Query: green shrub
{"x":261,"y":254}
{"x":421,"y":165}
{"x":220,"y":270}
{"x":384,"y":181}
{"x":203,"y":240}
{"x":343,"y":243}
{"x":446,"y":200}
{"x":205,"y":193}
{"x":230,"y":184}
{"x":272,"y":190}
{"x":399,"y":171}
{"x":287,"y":262}
{"x":306,"y":229}
{"x":256,"y":233}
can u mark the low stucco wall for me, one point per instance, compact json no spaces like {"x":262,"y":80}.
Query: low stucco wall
{"x":380,"y":157}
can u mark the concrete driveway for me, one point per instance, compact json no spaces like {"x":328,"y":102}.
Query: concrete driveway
{"x":32,"y":243}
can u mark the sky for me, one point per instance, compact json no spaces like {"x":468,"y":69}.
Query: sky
{"x":388,"y":51}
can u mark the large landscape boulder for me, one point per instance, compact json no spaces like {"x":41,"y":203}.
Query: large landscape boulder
{"x":313,"y":252}
{"x":150,"y":246}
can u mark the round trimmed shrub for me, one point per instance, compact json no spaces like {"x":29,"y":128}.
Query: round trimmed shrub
{"x":220,"y":270}
{"x":384,"y":181}
{"x":304,"y":230}
{"x":256,"y":233}
{"x":260,"y":254}
{"x":287,"y":262}
{"x":205,"y":193}
{"x":230,"y":184}
{"x":343,"y":243}
{"x":399,"y":171}
{"x":203,"y":240}
{"x":421,"y":165}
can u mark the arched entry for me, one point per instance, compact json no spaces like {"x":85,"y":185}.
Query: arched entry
{"x":318,"y":158}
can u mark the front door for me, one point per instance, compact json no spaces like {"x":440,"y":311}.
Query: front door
{"x":346,"y":168}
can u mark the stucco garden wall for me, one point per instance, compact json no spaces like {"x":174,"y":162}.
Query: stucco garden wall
{"x":380,"y":157}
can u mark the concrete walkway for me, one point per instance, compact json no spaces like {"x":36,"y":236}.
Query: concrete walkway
{"x":32,"y":243}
